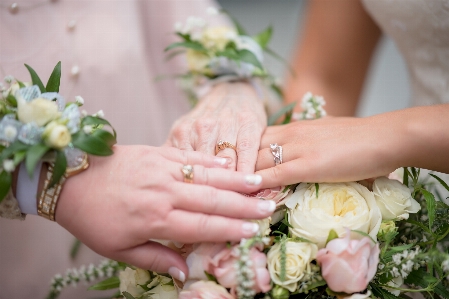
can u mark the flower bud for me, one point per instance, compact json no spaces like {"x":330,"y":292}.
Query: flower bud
{"x":56,"y":135}
{"x":280,"y":293}
{"x":386,"y":228}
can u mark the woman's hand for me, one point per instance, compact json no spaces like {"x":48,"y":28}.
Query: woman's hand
{"x":331,"y":150}
{"x":230,"y":112}
{"x":121,"y":202}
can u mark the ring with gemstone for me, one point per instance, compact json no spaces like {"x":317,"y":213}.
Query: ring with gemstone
{"x":221,"y":145}
{"x":276,"y":151}
{"x":187,"y":171}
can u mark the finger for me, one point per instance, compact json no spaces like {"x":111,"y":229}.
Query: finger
{"x":207,"y":200}
{"x":265,"y":158}
{"x":273,"y":134}
{"x":191,"y":227}
{"x":194,"y":158}
{"x":286,"y":173}
{"x":156,"y":257}
{"x":247,"y":150}
{"x":167,"y":143}
{"x":230,"y":155}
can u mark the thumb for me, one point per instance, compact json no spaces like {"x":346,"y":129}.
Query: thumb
{"x":156,"y":257}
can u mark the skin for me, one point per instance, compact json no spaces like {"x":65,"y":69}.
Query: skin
{"x":121,"y":202}
{"x":230,"y":112}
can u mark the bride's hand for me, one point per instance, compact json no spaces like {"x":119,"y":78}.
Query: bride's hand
{"x":330,"y":150}
{"x":231,"y":112}
{"x":121,"y":202}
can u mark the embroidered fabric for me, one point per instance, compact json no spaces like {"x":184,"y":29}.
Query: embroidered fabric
{"x":420,"y":30}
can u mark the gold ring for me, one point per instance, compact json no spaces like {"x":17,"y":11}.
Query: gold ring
{"x":187,"y":171}
{"x":221,"y":145}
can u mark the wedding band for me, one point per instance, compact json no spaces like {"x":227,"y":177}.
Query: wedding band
{"x":187,"y":171}
{"x":276,"y":151}
{"x":221,"y":145}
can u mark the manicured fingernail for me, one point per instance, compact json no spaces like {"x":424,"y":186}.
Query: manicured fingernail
{"x":177,"y":274}
{"x":253,"y":179}
{"x":222,"y":161}
{"x":250,"y":228}
{"x":266,"y":206}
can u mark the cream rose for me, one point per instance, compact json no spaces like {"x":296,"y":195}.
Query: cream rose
{"x":39,"y":111}
{"x":56,"y":135}
{"x":298,"y":258}
{"x":264,"y":226}
{"x":338,"y":206}
{"x":217,"y":38}
{"x":130,"y":281}
{"x":197,"y":61}
{"x":394,"y":199}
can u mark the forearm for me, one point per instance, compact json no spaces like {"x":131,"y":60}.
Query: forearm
{"x":418,"y":137}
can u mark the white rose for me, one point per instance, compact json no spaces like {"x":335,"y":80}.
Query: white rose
{"x":162,"y":288}
{"x":197,"y":61}
{"x":264,"y":226}
{"x":394,"y":199}
{"x":217,"y":38}
{"x":56,"y":135}
{"x":131,"y":279}
{"x":39,"y":110}
{"x":338,"y":206}
{"x":298,"y":258}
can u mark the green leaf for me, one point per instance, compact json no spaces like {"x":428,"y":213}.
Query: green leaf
{"x":405,"y":176}
{"x":317,"y":188}
{"x":21,"y":84}
{"x":74,"y":250}
{"x":34,"y":154}
{"x":364,"y":234}
{"x":14,"y":147}
{"x":11,"y":100}
{"x":128,"y":295}
{"x":190,"y":45}
{"x":441,"y":290}
{"x":94,"y":121}
{"x":19,"y":156}
{"x":210,"y":277}
{"x":264,"y":37}
{"x":272,"y":119}
{"x":443,"y":183}
{"x":35,"y":78}
{"x":107,"y":137}
{"x":107,"y":284}
{"x":55,"y":79}
{"x":91,"y":144}
{"x":5,"y":184}
{"x":430,"y":200}
{"x":379,"y":292}
{"x":249,"y":57}
{"x":331,"y":236}
{"x":58,"y":169}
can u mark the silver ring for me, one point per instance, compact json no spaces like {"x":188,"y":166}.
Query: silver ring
{"x":276,"y":151}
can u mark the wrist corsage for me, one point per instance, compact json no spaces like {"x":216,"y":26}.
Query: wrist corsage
{"x":217,"y":54}
{"x":36,"y":123}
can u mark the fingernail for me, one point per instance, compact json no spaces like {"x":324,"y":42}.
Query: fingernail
{"x":253,"y":179}
{"x":222,"y":161}
{"x":177,"y":274}
{"x":250,"y":228}
{"x":266,"y":206}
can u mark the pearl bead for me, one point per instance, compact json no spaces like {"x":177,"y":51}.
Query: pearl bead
{"x":14,"y":8}
{"x":71,"y":25}
{"x":75,"y":71}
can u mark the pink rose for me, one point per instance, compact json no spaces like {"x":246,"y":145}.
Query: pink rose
{"x":200,"y":257}
{"x":222,"y":267}
{"x":205,"y":290}
{"x":274,"y":194}
{"x":348,"y":265}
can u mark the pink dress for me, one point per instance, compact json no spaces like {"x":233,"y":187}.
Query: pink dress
{"x":111,"y":53}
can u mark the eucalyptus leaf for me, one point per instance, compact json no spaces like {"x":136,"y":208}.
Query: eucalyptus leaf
{"x":107,"y":284}
{"x":272,"y":119}
{"x":5,"y":184}
{"x":34,"y":154}
{"x":249,"y":57}
{"x":55,"y":79}
{"x":35,"y":78}
{"x":91,"y":144}
{"x":263,"y":38}
{"x":188,"y":44}
{"x":58,"y":169}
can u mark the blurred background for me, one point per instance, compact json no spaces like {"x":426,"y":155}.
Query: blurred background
{"x":387,"y":86}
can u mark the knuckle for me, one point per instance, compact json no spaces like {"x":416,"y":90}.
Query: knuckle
{"x":203,"y":225}
{"x":205,"y":125}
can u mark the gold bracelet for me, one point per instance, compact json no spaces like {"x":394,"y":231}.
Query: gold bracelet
{"x":48,"y":199}
{"x":49,"y":196}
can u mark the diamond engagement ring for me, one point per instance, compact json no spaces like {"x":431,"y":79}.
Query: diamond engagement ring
{"x":221,"y":145}
{"x":187,"y":171}
{"x":276,"y":151}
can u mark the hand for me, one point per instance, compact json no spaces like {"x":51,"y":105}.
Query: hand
{"x":121,"y":202}
{"x":230,"y":112}
{"x":330,"y":150}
